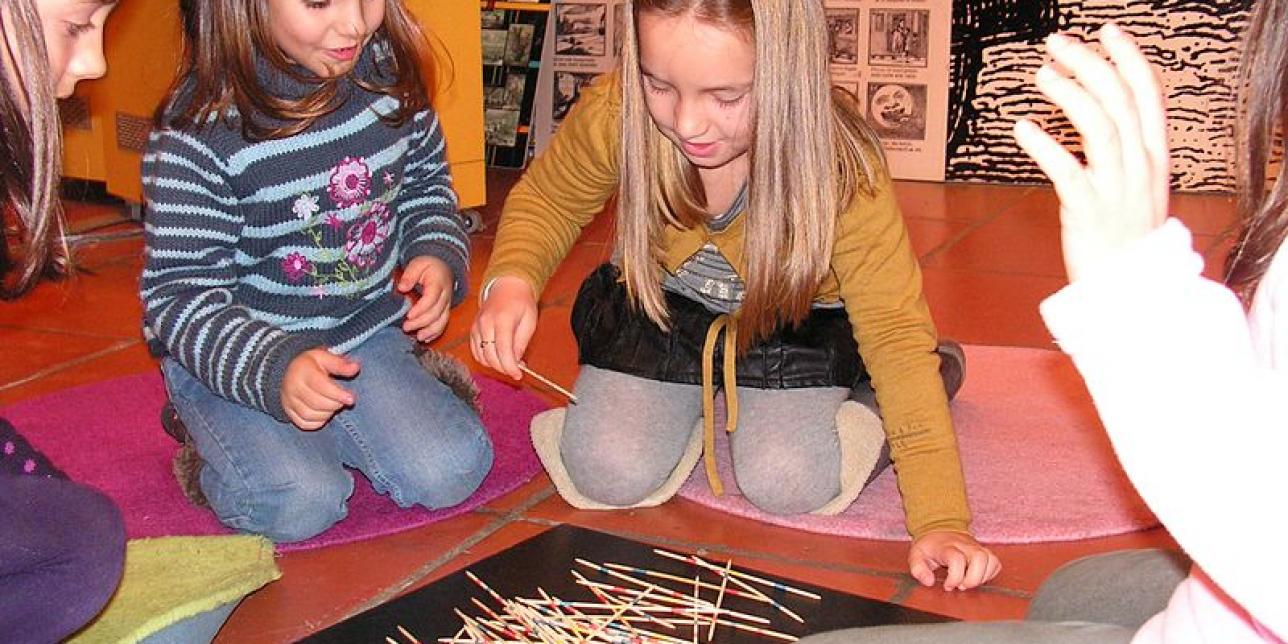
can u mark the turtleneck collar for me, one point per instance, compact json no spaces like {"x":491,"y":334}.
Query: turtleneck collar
{"x":371,"y":64}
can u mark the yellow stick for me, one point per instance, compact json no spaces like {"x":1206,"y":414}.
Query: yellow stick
{"x":549,"y":383}
{"x":666,"y":591}
{"x":750,"y":590}
{"x":749,"y":594}
{"x":760,"y":631}
{"x":711,"y":632}
{"x":495,"y":595}
{"x":738,"y":573}
{"x":680,"y":600}
{"x":408,"y":635}
{"x":697,"y":588}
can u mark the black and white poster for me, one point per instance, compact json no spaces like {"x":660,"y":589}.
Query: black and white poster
{"x":583,"y":42}
{"x":893,"y":56}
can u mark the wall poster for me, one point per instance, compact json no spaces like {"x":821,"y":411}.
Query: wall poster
{"x":892,"y":56}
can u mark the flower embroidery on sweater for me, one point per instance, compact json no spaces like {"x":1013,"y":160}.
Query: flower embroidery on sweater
{"x":305,"y":206}
{"x":350,"y":182}
{"x":361,"y":240}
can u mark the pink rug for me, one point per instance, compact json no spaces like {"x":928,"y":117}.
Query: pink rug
{"x":108,"y":435}
{"x":1038,"y":464}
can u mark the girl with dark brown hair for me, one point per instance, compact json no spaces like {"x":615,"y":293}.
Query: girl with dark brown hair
{"x":296,"y":165}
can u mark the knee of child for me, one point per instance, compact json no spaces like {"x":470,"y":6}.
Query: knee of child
{"x":100,"y":548}
{"x":776,"y":492}
{"x":613,"y":480}
{"x":303,"y":509}
{"x":450,"y":470}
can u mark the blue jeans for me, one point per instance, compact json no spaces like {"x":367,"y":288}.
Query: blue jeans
{"x":408,"y":433}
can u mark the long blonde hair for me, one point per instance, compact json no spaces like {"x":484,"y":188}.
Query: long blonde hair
{"x":811,"y":154}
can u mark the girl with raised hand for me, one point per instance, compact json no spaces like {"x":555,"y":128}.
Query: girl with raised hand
{"x":1190,"y":376}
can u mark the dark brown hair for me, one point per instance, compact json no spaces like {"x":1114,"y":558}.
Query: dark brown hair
{"x":1263,"y":204}
{"x":218,"y":76}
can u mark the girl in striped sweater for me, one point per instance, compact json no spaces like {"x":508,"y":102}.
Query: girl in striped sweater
{"x":296,"y":166}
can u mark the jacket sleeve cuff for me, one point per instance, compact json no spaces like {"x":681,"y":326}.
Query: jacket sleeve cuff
{"x":953,"y":525}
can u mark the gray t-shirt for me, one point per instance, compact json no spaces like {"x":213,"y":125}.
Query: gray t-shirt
{"x":708,"y":278}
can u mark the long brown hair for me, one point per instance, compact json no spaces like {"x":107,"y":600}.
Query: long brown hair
{"x":218,"y":76}
{"x":1263,"y":206}
{"x":806,"y":137}
{"x":31,"y":153}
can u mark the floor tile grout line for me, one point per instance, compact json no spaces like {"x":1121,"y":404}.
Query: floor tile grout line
{"x":392,"y":592}
{"x":903,"y":590}
{"x":115,"y":348}
{"x":57,"y":331}
{"x":972,"y":227}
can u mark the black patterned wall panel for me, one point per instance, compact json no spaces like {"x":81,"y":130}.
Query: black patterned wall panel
{"x":74,"y":113}
{"x":132,"y":131}
{"x":997,"y":48}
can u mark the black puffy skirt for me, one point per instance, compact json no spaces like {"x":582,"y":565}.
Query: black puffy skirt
{"x":612,"y":334}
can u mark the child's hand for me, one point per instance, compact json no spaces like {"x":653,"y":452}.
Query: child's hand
{"x":309,"y":394}
{"x":428,"y":316}
{"x":1121,"y":193}
{"x":969,"y":564}
{"x":505,"y":323}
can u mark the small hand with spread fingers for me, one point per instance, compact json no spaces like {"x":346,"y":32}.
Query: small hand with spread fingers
{"x":1121,"y":192}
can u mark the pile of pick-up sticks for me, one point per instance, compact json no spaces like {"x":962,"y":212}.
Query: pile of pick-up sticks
{"x":635,"y":605}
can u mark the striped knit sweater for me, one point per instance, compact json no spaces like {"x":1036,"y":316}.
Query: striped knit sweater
{"x":259,"y":251}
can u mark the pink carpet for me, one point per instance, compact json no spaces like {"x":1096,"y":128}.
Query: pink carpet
{"x":108,"y":435}
{"x":1038,"y":464}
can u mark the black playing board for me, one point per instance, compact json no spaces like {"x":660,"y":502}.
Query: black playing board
{"x":546,"y":560}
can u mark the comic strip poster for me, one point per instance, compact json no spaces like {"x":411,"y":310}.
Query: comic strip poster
{"x":893,"y":57}
{"x":583,"y":40}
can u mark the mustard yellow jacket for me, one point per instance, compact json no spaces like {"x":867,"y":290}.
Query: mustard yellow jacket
{"x":873,"y":271}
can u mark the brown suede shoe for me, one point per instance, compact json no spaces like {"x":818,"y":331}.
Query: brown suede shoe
{"x":187,"y":471}
{"x":952,"y":369}
{"x":172,"y":424}
{"x":952,"y":366}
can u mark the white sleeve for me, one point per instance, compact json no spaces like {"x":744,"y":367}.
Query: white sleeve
{"x":1200,"y":426}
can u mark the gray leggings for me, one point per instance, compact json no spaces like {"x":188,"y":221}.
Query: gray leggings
{"x":627,"y":434}
{"x":1102,"y":599}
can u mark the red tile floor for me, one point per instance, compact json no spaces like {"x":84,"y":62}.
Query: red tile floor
{"x":990,"y":253}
